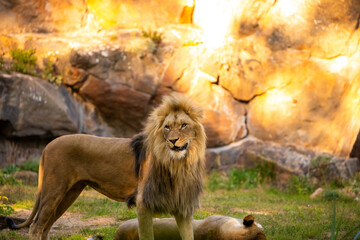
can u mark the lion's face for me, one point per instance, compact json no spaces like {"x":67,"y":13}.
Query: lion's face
{"x":178,"y":131}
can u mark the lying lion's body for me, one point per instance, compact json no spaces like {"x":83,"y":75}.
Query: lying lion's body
{"x":162,"y":175}
{"x":215,"y":227}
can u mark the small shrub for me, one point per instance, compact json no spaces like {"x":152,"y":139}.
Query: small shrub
{"x":319,"y":168}
{"x":243,"y":178}
{"x":266,"y":171}
{"x":153,"y":35}
{"x":4,"y":208}
{"x":331,"y":195}
{"x":30,"y":165}
{"x":10,"y":169}
{"x":247,"y":178}
{"x":8,"y":179}
{"x":50,"y":73}
{"x":2,"y":62}
{"x":216,"y":181}
{"x":300,"y":185}
{"x":24,"y":61}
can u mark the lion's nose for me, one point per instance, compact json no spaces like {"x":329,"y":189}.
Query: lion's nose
{"x":173,"y":141}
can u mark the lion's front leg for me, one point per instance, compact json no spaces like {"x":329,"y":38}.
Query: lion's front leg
{"x":146,"y":231}
{"x":185,"y":227}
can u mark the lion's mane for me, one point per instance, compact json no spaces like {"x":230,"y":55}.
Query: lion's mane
{"x":173,"y":185}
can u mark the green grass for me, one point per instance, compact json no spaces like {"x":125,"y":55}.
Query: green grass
{"x":107,"y":232}
{"x":7,"y":235}
{"x":92,"y":206}
{"x":284,"y":215}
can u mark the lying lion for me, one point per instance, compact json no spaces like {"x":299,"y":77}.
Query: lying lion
{"x":211,"y":228}
{"x":159,"y":170}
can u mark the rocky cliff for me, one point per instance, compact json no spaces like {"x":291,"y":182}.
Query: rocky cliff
{"x":285,"y":73}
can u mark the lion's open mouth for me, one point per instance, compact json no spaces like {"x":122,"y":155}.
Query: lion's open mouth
{"x":178,"y":149}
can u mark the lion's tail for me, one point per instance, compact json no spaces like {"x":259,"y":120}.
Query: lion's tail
{"x":10,"y":222}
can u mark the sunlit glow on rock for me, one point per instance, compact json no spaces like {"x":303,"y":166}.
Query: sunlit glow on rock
{"x":288,"y":8}
{"x":189,"y":3}
{"x":214,"y":17}
{"x":339,"y":63}
{"x":105,"y":11}
{"x":279,"y":101}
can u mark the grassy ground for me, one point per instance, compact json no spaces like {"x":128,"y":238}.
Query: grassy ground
{"x":286,"y":213}
{"x":283,"y":215}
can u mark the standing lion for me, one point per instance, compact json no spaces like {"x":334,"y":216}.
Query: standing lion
{"x":170,"y":165}
{"x":160,"y":170}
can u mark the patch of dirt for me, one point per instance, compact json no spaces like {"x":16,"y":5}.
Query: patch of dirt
{"x":69,"y":223}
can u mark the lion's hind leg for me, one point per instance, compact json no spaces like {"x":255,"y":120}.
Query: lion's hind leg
{"x":54,"y":201}
{"x":66,"y":202}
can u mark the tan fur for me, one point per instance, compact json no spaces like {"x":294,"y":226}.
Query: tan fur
{"x":215,"y":227}
{"x":71,"y":162}
{"x":171,"y":180}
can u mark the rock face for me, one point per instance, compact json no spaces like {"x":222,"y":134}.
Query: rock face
{"x":289,"y":77}
{"x":33,"y":108}
{"x":288,"y":160}
{"x":121,"y":85}
{"x":52,"y":15}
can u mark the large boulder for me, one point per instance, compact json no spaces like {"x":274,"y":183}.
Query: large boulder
{"x":315,"y":109}
{"x":121,"y":84}
{"x":32,"y":108}
{"x":287,"y":159}
{"x":123,"y":107}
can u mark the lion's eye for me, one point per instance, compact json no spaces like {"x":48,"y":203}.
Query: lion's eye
{"x":167,"y":127}
{"x":184,"y":125}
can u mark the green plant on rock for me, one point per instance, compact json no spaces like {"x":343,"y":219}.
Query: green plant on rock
{"x":2,"y":62}
{"x":319,"y":168}
{"x":4,"y":208}
{"x":24,"y":60}
{"x":50,"y":73}
{"x":155,"y":37}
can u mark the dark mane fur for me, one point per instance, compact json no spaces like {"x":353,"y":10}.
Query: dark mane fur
{"x":137,"y":145}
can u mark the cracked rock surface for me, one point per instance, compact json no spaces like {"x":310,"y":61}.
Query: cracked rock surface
{"x":283,"y":77}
